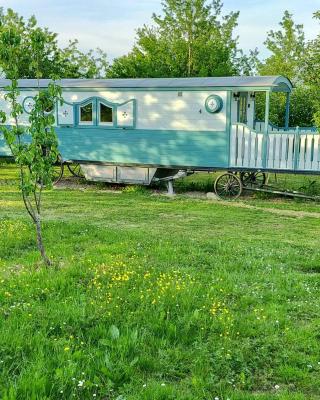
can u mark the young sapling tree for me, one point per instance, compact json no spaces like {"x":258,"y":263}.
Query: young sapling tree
{"x":34,"y":145}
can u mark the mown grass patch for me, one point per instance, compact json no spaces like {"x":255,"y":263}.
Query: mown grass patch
{"x":158,"y":298}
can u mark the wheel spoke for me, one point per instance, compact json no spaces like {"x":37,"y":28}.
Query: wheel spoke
{"x":228,"y":186}
{"x":75,"y":169}
{"x":253,"y":179}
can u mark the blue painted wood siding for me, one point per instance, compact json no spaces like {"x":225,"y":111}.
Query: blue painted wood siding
{"x":4,"y":149}
{"x":136,"y":146}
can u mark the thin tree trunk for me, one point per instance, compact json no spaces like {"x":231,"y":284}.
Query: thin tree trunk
{"x":41,"y":248}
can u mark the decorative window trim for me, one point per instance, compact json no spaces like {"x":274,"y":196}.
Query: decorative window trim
{"x":96,"y":114}
{"x":57,"y":113}
{"x":134,"y":114}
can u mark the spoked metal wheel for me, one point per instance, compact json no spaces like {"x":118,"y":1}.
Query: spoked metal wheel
{"x":57,"y":172}
{"x":75,"y":169}
{"x":228,"y":186}
{"x":253,"y":179}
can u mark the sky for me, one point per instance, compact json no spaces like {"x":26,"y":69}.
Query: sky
{"x":111,"y":25}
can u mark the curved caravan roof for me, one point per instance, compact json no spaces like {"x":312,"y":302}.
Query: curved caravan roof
{"x":273,"y":83}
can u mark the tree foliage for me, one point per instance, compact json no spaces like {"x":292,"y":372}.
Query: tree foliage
{"x":312,"y":59}
{"x":287,"y":47}
{"x":247,"y":64}
{"x":312,"y":71}
{"x":34,"y":146}
{"x":68,"y":62}
{"x":302,"y":107}
{"x":288,"y":50}
{"x":192,"y":38}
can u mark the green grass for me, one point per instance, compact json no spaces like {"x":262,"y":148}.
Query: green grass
{"x":157,"y":298}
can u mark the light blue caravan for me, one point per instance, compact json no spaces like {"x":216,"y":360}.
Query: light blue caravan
{"x":141,"y":130}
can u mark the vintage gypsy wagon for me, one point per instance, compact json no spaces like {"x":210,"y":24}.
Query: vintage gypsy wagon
{"x":143,"y":130}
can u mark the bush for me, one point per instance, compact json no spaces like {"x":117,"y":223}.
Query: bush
{"x":302,"y":107}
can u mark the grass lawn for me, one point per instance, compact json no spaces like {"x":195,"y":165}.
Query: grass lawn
{"x":157,"y":298}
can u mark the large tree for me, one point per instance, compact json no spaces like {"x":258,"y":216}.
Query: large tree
{"x":287,"y":47}
{"x":312,"y":59}
{"x":312,"y":71}
{"x":68,"y":62}
{"x":190,"y":38}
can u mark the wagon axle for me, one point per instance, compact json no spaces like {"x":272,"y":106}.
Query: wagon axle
{"x":229,"y":186}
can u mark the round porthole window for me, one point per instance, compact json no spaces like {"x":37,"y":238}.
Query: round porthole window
{"x":28,"y":104}
{"x":214,"y":103}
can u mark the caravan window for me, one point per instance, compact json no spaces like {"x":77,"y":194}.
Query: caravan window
{"x":106,"y":114}
{"x":86,"y":114}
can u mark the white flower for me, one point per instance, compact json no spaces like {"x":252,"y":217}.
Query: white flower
{"x":276,"y":387}
{"x":80,"y":384}
{"x":216,"y":398}
{"x":163,"y":384}
{"x":144,"y":385}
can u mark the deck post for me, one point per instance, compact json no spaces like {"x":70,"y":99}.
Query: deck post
{"x":287,"y":116}
{"x":266,"y":130}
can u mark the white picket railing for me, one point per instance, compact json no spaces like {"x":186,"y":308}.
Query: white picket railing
{"x":309,"y":152}
{"x":259,"y":126}
{"x":278,"y":151}
{"x":245,"y":147}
